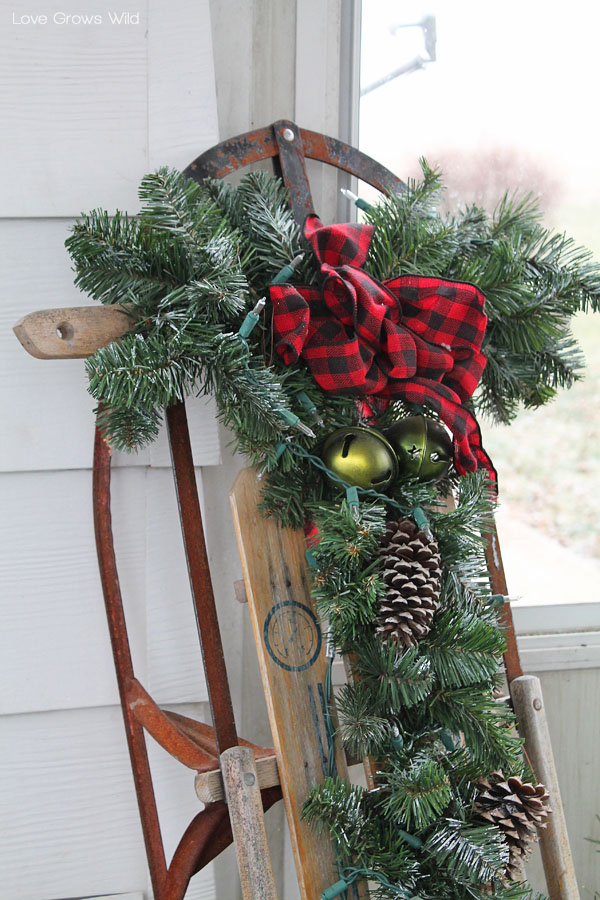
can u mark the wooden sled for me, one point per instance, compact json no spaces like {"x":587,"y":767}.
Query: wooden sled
{"x":237,"y":780}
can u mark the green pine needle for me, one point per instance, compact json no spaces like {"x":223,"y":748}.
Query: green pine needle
{"x":469,"y":852}
{"x":464,"y":649}
{"x":394,"y":679}
{"x":362,"y":733}
{"x":418,"y":792}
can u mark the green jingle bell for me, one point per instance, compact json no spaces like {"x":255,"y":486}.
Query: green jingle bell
{"x":423,"y":448}
{"x":361,"y":456}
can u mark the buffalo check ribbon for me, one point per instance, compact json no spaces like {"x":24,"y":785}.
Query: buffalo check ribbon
{"x":413,"y":338}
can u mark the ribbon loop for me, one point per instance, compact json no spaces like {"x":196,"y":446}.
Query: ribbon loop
{"x":416,"y":338}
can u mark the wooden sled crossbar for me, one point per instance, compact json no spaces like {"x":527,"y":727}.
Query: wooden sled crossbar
{"x":238,"y":780}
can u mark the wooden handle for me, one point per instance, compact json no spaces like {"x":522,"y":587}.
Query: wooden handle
{"x":526,"y":692}
{"x":247,"y":823}
{"x":72,"y":332}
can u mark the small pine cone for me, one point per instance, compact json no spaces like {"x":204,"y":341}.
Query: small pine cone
{"x":518,"y":809}
{"x":412,"y":575}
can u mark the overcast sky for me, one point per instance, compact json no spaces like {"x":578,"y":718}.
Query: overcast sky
{"x":513,"y":74}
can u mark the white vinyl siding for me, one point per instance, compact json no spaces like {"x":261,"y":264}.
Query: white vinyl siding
{"x":87,"y":111}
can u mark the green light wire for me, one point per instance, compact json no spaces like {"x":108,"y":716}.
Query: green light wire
{"x":319,"y":464}
{"x":246,"y":329}
{"x":331,"y":767}
{"x":354,"y":873}
{"x":350,"y":874}
{"x":331,"y":764}
{"x":352,"y":490}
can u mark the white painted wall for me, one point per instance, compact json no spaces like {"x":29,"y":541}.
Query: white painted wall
{"x":571,"y":701}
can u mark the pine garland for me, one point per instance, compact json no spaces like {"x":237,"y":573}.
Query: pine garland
{"x":533,"y":281}
{"x":188,"y":270}
{"x":199,"y":256}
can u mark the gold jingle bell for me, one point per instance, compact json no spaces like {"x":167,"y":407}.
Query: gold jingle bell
{"x":361,"y":456}
{"x":423,"y":447}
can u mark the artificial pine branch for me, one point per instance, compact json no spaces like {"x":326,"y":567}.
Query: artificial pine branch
{"x":174,"y":203}
{"x":117,"y":261}
{"x":511,"y":891}
{"x":346,"y":541}
{"x":418,"y":792}
{"x":129,"y":428}
{"x":285,"y":491}
{"x":460,"y":532}
{"x":533,"y":281}
{"x":393,"y":678}
{"x":339,"y":807}
{"x":259,"y":210}
{"x":348,"y":605}
{"x":362,"y":838}
{"x":143,"y":371}
{"x":409,"y":234}
{"x":464,"y":774}
{"x":361,"y":731}
{"x":474,"y":853}
{"x":487,"y":726}
{"x":464,"y":649}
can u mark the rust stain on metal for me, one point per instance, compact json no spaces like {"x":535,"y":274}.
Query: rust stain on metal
{"x":200,"y":580}
{"x":336,"y":153}
{"x":293,"y":170}
{"x":123,"y":663}
{"x":512,"y":662}
{"x":166,"y":731}
{"x":254,"y":146}
{"x":232,"y":154}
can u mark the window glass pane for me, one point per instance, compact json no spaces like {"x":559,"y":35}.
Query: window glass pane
{"x":502,"y":96}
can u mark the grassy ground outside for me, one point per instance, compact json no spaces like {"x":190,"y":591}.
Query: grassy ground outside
{"x":548,"y":460}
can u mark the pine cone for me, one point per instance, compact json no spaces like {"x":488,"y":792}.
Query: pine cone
{"x":412,"y":575}
{"x":518,"y":809}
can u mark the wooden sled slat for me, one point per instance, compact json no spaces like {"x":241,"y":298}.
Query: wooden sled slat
{"x":293,"y":665}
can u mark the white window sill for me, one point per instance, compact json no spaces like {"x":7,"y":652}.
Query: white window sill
{"x":551,"y":618}
{"x":550,"y":652}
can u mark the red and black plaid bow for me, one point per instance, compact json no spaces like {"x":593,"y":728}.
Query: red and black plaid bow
{"x":413,"y":338}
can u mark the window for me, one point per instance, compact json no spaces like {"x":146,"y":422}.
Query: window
{"x":502,"y":97}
